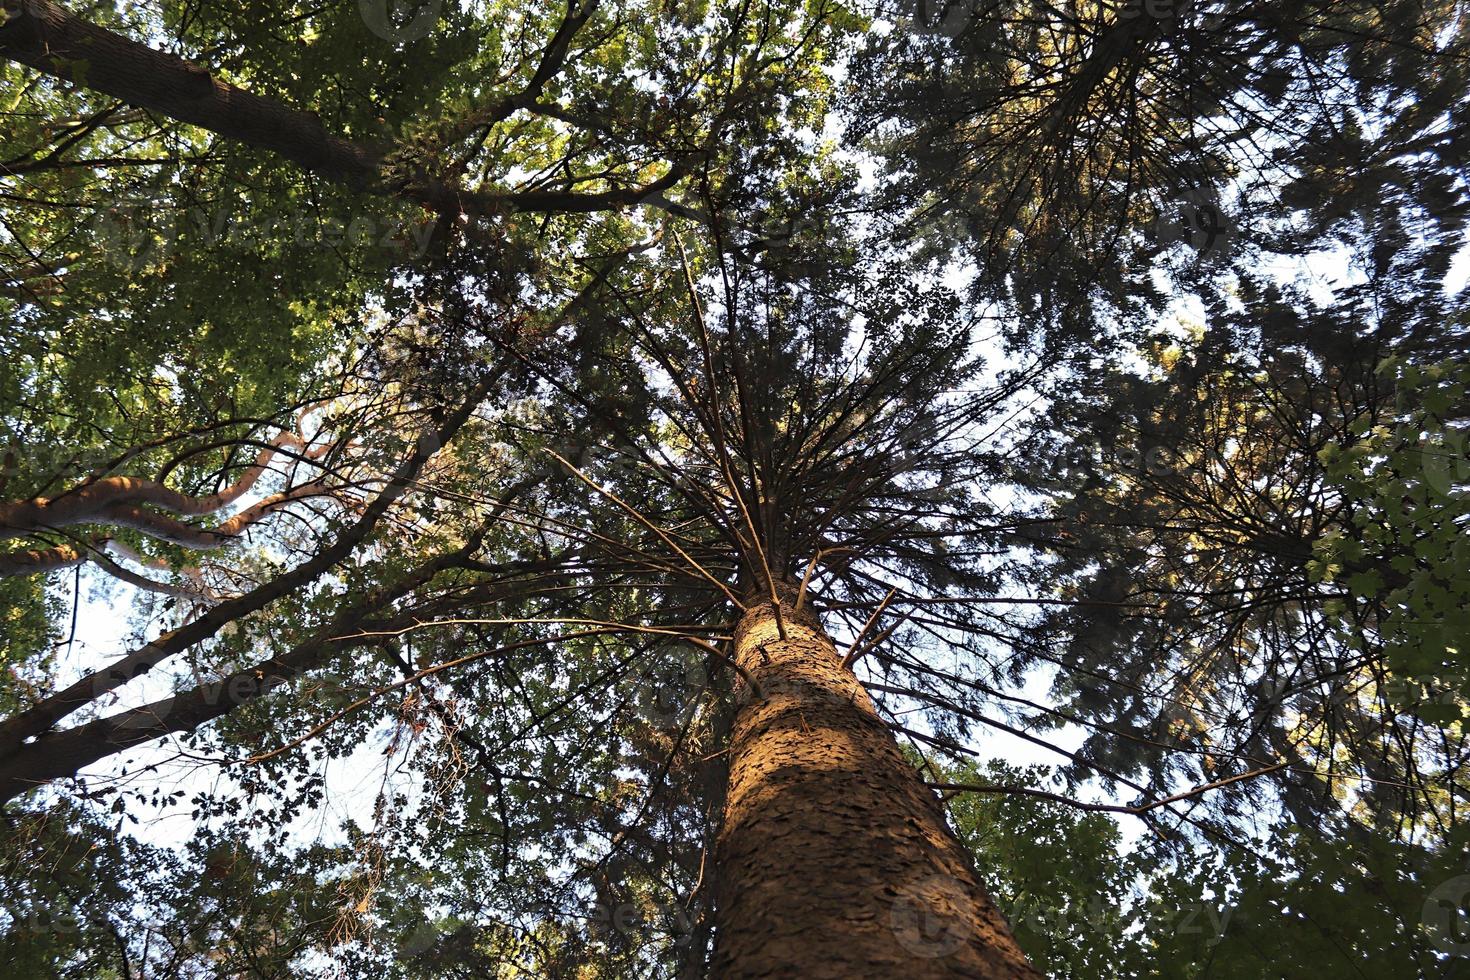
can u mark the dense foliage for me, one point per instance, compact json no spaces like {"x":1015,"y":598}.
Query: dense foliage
{"x":1099,"y":371}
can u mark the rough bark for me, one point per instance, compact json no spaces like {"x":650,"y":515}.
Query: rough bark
{"x":33,"y":561}
{"x":834,"y":860}
{"x":90,"y":501}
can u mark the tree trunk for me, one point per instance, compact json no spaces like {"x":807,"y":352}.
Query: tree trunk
{"x":834,"y":860}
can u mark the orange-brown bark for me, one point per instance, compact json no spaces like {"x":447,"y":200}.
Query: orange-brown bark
{"x":118,"y":500}
{"x":834,"y":859}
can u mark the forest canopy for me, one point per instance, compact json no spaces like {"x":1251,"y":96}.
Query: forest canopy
{"x":734,"y":488}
